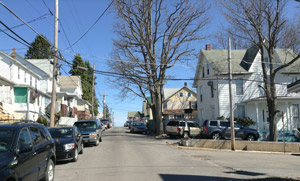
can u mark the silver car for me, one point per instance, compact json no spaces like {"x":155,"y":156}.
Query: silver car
{"x":183,"y":128}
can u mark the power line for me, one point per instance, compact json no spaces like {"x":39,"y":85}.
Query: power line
{"x":14,"y":32}
{"x":92,"y":24}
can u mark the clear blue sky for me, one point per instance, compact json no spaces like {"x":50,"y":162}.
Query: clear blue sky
{"x":76,"y":17}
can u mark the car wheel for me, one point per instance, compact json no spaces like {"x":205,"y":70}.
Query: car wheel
{"x":186,"y":135}
{"x":97,"y":142}
{"x":81,"y":151}
{"x":75,"y":157}
{"x":100,"y":139}
{"x":250,"y":137}
{"x":49,"y":174}
{"x":216,"y":136}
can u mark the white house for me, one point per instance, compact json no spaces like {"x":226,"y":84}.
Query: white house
{"x":21,"y":89}
{"x":211,"y":81}
{"x":73,"y":107}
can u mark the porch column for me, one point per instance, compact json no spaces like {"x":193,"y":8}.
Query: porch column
{"x":257,"y":117}
{"x":28,"y":99}
{"x":287,"y":117}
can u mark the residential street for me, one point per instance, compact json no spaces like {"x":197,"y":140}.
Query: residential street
{"x":126,"y":156}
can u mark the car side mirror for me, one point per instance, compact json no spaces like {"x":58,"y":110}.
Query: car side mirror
{"x":25,"y":148}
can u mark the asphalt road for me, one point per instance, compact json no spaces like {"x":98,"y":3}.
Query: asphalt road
{"x":124,"y":156}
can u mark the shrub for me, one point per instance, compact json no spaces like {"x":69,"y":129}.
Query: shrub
{"x":245,"y":121}
{"x":42,"y":121}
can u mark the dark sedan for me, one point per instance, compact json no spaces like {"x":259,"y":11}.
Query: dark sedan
{"x":138,"y":127}
{"x":68,"y":142}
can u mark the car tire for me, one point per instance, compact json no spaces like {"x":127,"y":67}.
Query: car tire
{"x":186,"y":135}
{"x":49,"y":173}
{"x":216,"y":136}
{"x":100,"y":139}
{"x":75,"y":157}
{"x":81,"y":151}
{"x":97,"y":142}
{"x":250,"y":137}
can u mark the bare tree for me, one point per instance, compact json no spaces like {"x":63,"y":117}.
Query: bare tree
{"x":153,"y":36}
{"x":261,"y":22}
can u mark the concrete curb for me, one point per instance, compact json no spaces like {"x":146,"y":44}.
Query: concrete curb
{"x":243,"y":145}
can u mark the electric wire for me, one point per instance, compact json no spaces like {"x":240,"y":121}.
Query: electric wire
{"x":92,"y":24}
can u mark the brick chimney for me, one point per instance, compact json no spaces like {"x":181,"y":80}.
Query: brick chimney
{"x":185,"y":84}
{"x":207,"y":47}
{"x":13,"y":55}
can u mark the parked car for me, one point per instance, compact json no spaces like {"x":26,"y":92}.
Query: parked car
{"x":90,"y":130}
{"x":218,"y":129}
{"x":126,"y":124}
{"x":68,"y":142}
{"x":139,"y":127}
{"x":27,"y":152}
{"x":183,"y":128}
{"x":106,"y":122}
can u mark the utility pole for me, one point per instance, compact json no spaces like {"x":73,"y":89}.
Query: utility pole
{"x":93,"y":91}
{"x":230,"y":97}
{"x":104,"y":106}
{"x":55,"y":62}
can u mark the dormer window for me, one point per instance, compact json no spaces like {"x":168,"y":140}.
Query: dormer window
{"x":189,"y":94}
{"x":208,"y":66}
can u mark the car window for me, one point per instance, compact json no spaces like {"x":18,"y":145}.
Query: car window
{"x":6,"y":139}
{"x":86,"y":125}
{"x":196,"y":124}
{"x":205,"y":122}
{"x":36,"y":135}
{"x":192,"y":124}
{"x":24,"y":138}
{"x":172,"y":123}
{"x":45,"y":133}
{"x":182,"y":124}
{"x":237,"y":125}
{"x":224,"y":124}
{"x":213,"y":123}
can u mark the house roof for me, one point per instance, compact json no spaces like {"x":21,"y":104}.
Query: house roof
{"x":20,"y":64}
{"x":43,"y":64}
{"x":133,"y":114}
{"x":169,"y":92}
{"x":69,"y":82}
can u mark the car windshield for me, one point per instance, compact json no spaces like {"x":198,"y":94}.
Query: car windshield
{"x":61,"y":133}
{"x":86,"y":125}
{"x":6,"y":139}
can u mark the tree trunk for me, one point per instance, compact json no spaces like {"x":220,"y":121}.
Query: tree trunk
{"x":158,"y":114}
{"x":272,"y":118}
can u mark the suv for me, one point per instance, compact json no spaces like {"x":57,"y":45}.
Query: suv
{"x":217,"y":129}
{"x":183,"y":128}
{"x":90,"y":130}
{"x":27,"y":152}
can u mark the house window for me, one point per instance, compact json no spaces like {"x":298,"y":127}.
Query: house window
{"x":239,"y":89}
{"x":239,"y":111}
{"x":180,"y":94}
{"x":208,"y":66}
{"x":25,"y":77}
{"x":201,"y":94}
{"x":295,"y":115}
{"x":19,"y":76}
{"x":30,"y":80}
{"x":193,"y":104}
{"x":189,"y":94}
{"x":203,"y":72}
{"x":35,"y":83}
{"x":212,"y":90}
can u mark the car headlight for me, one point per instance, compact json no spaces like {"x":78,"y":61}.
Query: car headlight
{"x":69,"y":146}
{"x":93,"y":135}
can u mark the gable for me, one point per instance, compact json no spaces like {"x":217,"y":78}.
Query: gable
{"x":175,"y":94}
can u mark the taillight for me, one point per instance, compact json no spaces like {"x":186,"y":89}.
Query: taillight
{"x":178,"y":129}
{"x":205,"y":128}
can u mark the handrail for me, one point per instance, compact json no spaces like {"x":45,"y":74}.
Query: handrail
{"x":13,"y":113}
